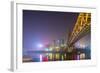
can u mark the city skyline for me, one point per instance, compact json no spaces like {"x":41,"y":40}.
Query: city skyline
{"x":46,"y":26}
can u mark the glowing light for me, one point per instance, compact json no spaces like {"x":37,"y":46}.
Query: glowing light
{"x":62,"y":57}
{"x":78,"y":57}
{"x":62,"y":45}
{"x":56,"y":47}
{"x":80,"y":45}
{"x":50,"y":56}
{"x":40,"y":45}
{"x":50,"y":49}
{"x":57,"y":56}
{"x":40,"y":58}
{"x":46,"y":49}
{"x":82,"y":56}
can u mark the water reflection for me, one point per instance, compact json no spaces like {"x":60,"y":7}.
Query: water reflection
{"x":56,"y":56}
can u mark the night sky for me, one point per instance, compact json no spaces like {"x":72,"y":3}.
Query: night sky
{"x":45,"y":26}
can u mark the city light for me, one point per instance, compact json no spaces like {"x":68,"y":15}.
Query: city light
{"x":50,"y":49}
{"x":40,"y":58}
{"x":46,"y":49}
{"x":79,"y":45}
{"x":82,"y":46}
{"x":39,"y":45}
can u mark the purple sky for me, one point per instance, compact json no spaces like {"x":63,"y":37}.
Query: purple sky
{"x":45,"y":26}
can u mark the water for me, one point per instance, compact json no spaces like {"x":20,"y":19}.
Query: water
{"x":79,"y":54}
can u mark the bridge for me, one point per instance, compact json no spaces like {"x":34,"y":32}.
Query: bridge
{"x":81,"y":29}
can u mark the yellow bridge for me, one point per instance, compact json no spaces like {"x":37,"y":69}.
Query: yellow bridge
{"x":81,"y":28}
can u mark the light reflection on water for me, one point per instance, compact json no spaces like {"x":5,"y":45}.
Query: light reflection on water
{"x":43,"y":57}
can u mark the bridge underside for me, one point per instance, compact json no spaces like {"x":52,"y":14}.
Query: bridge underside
{"x":81,"y":28}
